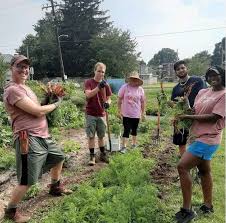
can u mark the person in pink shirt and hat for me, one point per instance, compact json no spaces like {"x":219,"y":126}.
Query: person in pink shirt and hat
{"x":131,"y":107}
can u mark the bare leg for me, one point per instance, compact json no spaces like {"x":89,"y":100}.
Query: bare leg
{"x":206,"y":182}
{"x":187,"y":162}
{"x":91,"y":142}
{"x":182,"y":149}
{"x":55,"y":172}
{"x":134,"y":140}
{"x":18,"y":193}
{"x":101,"y":142}
{"x":124,"y":142}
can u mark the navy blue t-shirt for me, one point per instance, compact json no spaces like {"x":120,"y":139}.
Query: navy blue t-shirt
{"x":178,"y":90}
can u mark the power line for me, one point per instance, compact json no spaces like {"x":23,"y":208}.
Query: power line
{"x":149,"y":35}
{"x":179,"y":32}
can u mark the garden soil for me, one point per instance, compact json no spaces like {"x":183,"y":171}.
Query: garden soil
{"x":75,"y":171}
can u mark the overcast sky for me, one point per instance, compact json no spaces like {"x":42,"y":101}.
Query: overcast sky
{"x":141,"y":17}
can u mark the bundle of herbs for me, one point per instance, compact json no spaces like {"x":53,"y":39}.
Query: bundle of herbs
{"x":182,"y":107}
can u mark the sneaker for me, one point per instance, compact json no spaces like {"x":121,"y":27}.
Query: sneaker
{"x":14,"y":215}
{"x":206,"y":210}
{"x":104,"y":157}
{"x":184,"y":215}
{"x":58,"y":189}
{"x":92,"y":160}
{"x":133,"y":146}
{"x":123,"y":150}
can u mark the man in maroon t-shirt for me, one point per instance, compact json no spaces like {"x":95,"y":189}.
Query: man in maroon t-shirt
{"x":98,"y":94}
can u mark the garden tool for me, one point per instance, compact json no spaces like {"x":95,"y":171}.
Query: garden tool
{"x":156,"y":138}
{"x":107,"y":118}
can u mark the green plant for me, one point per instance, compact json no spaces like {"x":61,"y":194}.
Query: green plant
{"x":32,"y":192}
{"x":119,"y":193}
{"x":66,"y":115}
{"x":180,"y":108}
{"x":3,"y":115}
{"x":5,"y":136}
{"x":71,"y":146}
{"x":7,"y":159}
{"x":38,"y":88}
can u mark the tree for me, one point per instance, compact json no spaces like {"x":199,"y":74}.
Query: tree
{"x":116,"y":49}
{"x":165,"y":55}
{"x":199,"y":63}
{"x":218,"y":56}
{"x":42,"y":48}
{"x":82,"y":21}
{"x":3,"y":68}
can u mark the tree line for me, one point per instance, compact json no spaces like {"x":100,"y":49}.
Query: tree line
{"x":87,"y":36}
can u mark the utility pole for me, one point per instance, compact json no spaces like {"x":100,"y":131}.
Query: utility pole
{"x":223,"y":47}
{"x":57,"y":38}
{"x":27,"y":52}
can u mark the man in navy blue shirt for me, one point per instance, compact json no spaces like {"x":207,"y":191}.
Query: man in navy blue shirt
{"x":179,"y":90}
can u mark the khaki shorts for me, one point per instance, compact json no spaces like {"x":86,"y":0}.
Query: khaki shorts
{"x":95,"y":125}
{"x":43,"y":154}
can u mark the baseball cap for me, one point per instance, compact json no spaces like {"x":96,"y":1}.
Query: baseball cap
{"x":18,"y":59}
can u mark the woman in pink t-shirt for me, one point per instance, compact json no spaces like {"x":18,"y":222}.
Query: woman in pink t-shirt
{"x":209,"y":122}
{"x":131,"y":104}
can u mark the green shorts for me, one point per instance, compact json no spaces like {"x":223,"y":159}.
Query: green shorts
{"x":43,"y":154}
{"x":95,"y":125}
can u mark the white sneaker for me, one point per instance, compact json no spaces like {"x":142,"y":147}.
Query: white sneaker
{"x":123,"y":150}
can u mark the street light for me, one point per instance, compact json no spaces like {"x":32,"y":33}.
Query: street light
{"x":61,"y":58}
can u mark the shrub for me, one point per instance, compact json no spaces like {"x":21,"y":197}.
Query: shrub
{"x":66,"y":115}
{"x":7,"y":159}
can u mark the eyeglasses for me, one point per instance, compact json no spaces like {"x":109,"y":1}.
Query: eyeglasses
{"x":21,"y":67}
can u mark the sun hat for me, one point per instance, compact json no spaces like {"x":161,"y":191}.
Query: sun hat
{"x":135,"y":75}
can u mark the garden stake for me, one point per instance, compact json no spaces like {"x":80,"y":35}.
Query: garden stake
{"x":156,"y":138}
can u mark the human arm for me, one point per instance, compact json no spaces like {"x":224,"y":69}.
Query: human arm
{"x":202,"y":118}
{"x":91,"y":93}
{"x":27,"y":105}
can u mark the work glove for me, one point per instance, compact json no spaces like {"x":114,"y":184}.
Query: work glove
{"x":57,"y":101}
{"x":106,"y":105}
{"x":102,"y":84}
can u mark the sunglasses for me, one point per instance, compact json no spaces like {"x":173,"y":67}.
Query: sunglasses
{"x":21,"y":67}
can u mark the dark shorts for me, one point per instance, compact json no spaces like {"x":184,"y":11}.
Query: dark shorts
{"x":43,"y":154}
{"x":180,"y":138}
{"x":130,"y":126}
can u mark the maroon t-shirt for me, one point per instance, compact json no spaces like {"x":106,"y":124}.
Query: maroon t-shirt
{"x":94,"y":105}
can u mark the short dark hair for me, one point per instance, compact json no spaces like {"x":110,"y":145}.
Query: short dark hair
{"x":178,"y":63}
{"x":218,"y":70}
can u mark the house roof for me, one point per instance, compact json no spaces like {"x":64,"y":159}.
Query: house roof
{"x":6,"y":57}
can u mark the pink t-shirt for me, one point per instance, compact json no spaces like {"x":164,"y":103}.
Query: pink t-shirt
{"x":208,"y":102}
{"x":21,"y":120}
{"x":131,"y":100}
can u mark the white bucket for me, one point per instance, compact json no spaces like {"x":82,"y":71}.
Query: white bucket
{"x":115,"y":143}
